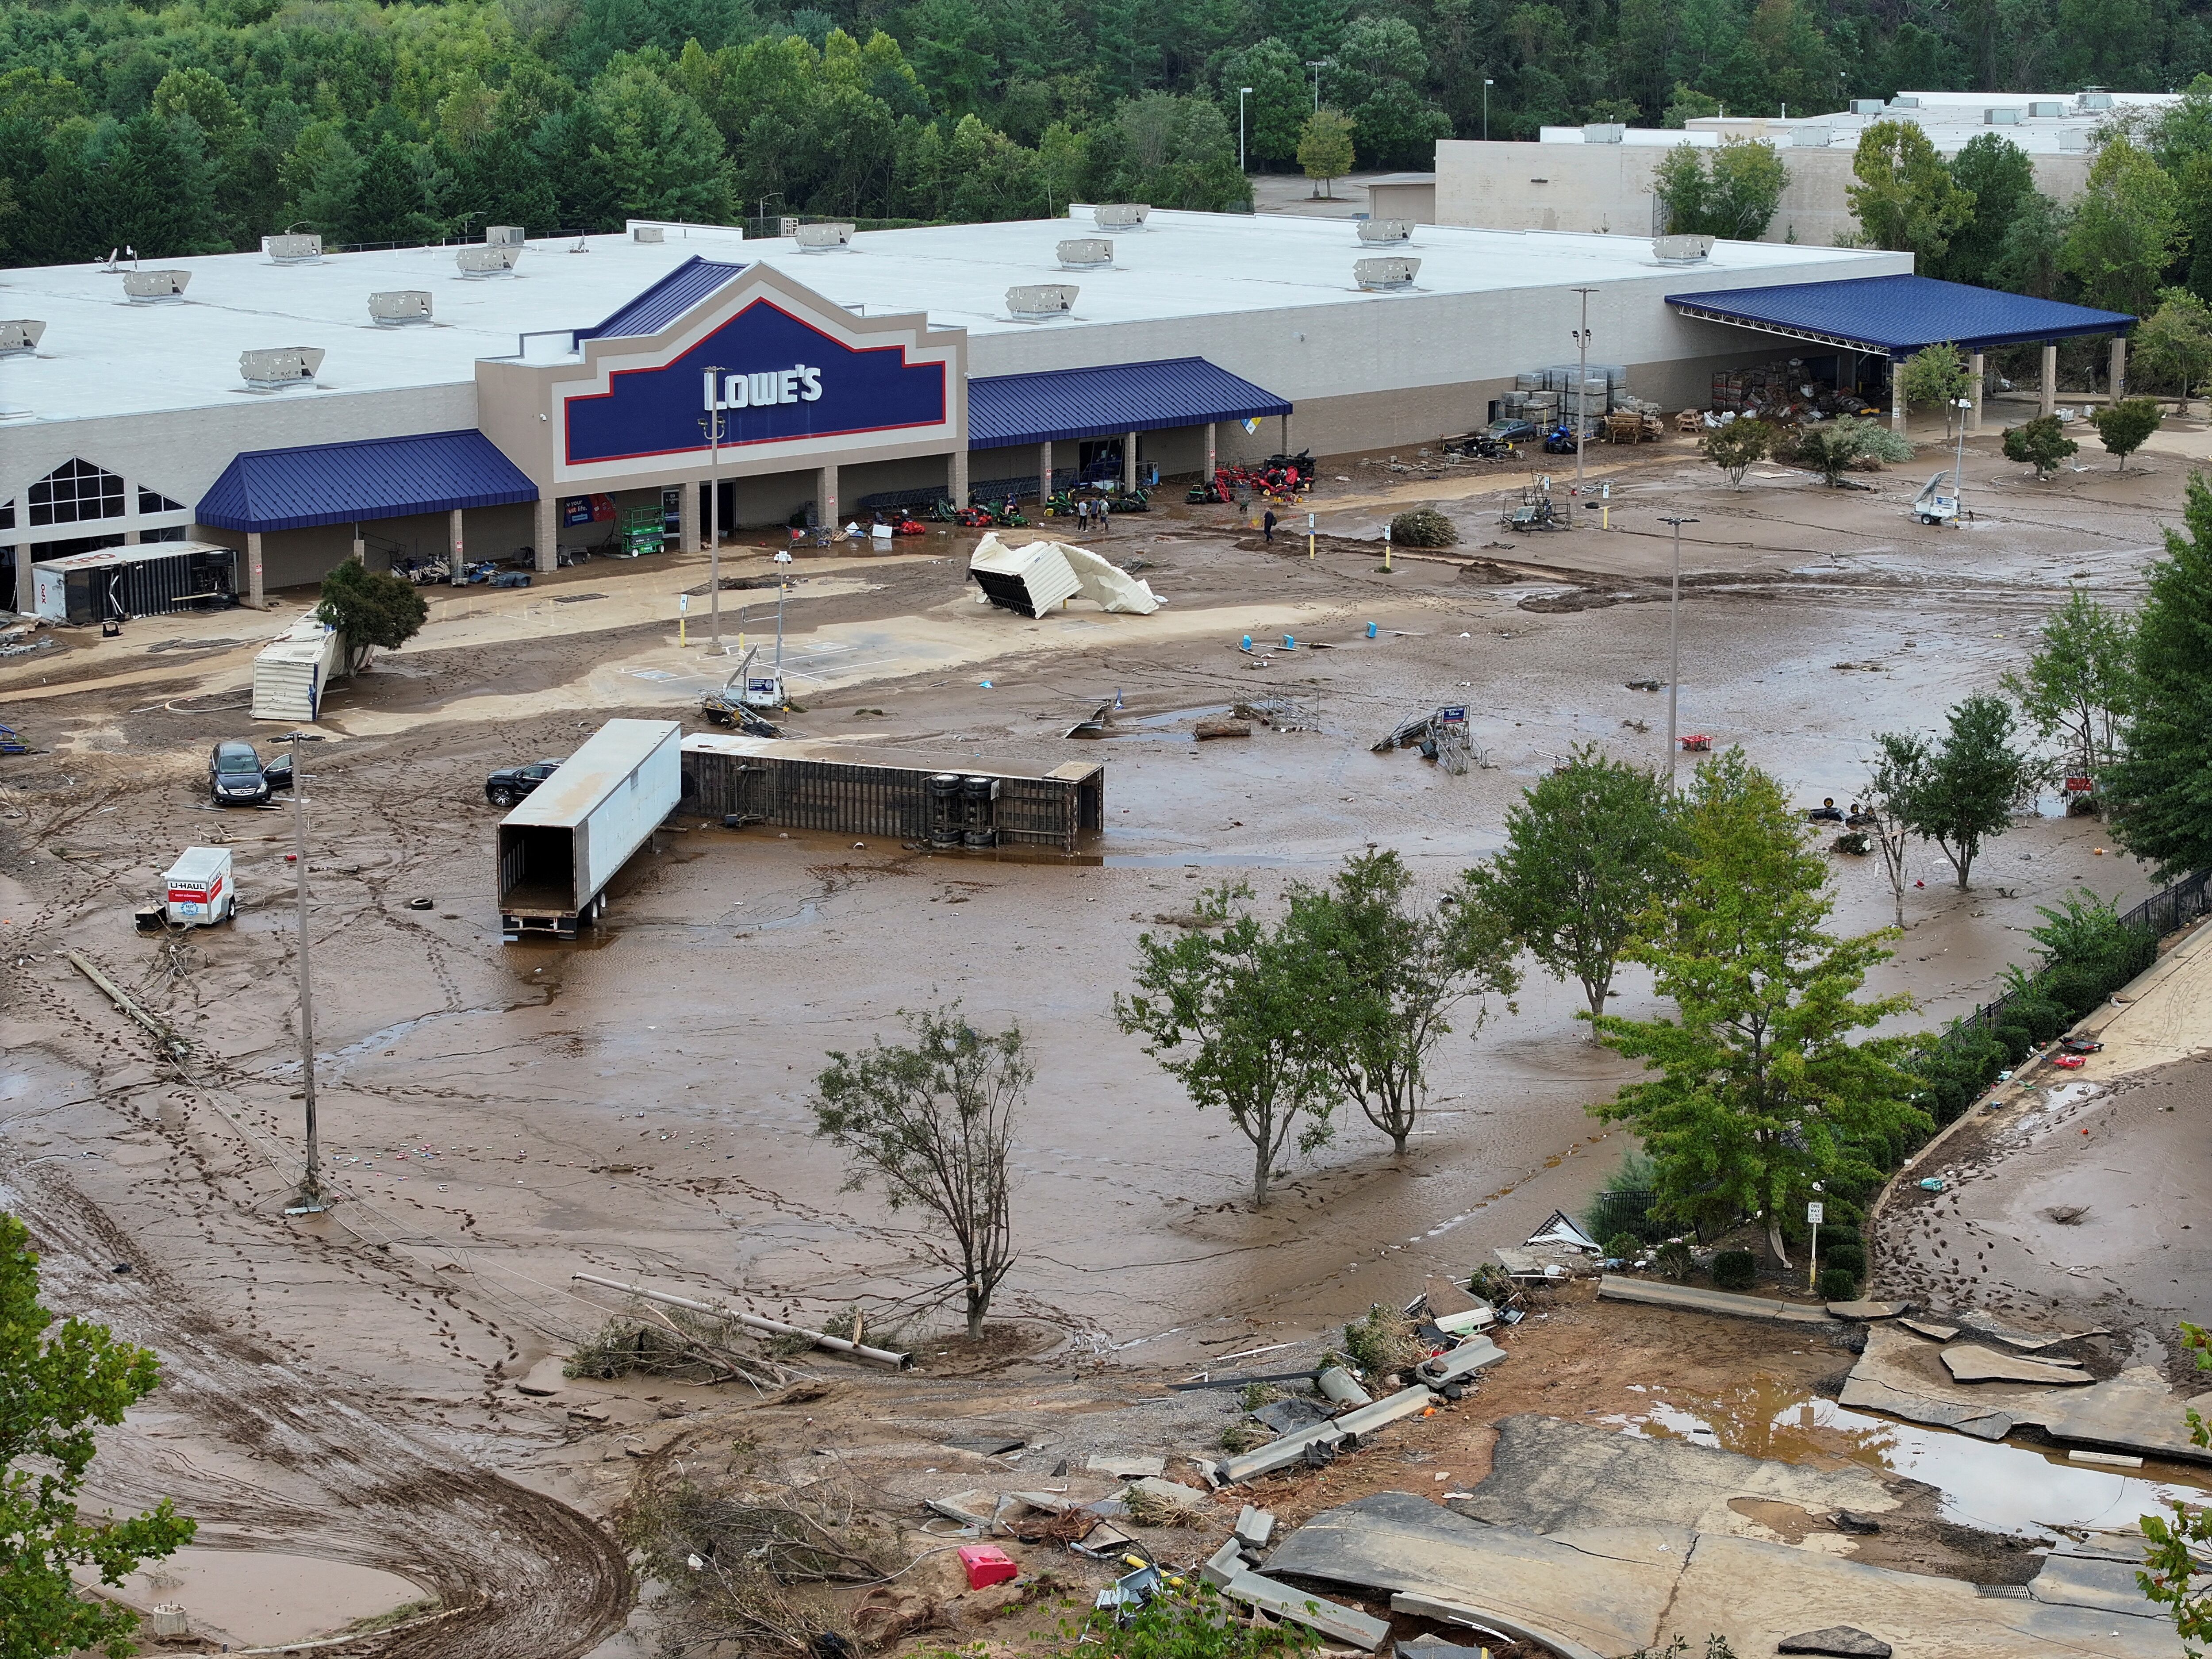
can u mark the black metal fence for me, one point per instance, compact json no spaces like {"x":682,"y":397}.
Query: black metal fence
{"x":1612,"y":1213}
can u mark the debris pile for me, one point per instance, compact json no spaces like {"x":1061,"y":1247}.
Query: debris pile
{"x":1033,"y":579}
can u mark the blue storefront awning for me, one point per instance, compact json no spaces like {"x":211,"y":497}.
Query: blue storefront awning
{"x":1008,"y":410}
{"x":369,"y":478}
{"x":1899,"y":314}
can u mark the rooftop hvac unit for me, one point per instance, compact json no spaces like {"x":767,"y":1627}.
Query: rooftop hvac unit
{"x":1121,"y":216}
{"x":2073,"y":138}
{"x":2000,"y":118}
{"x":647,"y":234}
{"x":1603,"y":132}
{"x":290,"y":250}
{"x":2095,"y":98}
{"x":503,"y":235}
{"x":1866,"y":106}
{"x":491,"y":259}
{"x":1086,"y":253}
{"x":1681,"y":250}
{"x":2045,"y":109}
{"x":395,"y":307}
{"x":1812,"y":138}
{"x":19,"y":336}
{"x":149,"y":288}
{"x":279,"y":367}
{"x":824,"y":238}
{"x":1040,"y":302}
{"x":1903,"y":102}
{"x":1385,"y":232}
{"x":1385,"y":275}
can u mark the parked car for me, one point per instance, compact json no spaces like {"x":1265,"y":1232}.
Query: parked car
{"x":511,"y":783}
{"x":1511,"y":432}
{"x":238,"y":777}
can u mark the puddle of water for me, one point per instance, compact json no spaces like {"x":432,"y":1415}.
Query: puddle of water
{"x":1991,"y":1486}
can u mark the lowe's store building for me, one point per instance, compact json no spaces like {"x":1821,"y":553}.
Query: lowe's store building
{"x":302,"y":408}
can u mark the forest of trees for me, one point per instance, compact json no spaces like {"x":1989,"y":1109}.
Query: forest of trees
{"x":203,"y":125}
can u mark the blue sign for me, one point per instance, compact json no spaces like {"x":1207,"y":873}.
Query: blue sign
{"x":781,"y":379}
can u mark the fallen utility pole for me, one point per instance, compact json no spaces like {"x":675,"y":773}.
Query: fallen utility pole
{"x":173,"y":1046}
{"x":755,"y":1322}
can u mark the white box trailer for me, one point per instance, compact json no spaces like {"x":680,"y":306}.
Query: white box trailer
{"x":563,"y":845}
{"x":291,"y":674}
{"x":198,"y":889}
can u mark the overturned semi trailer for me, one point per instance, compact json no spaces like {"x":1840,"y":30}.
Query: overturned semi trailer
{"x":942,"y":802}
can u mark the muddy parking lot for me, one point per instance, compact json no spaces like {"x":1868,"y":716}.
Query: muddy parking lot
{"x":501,"y":1117}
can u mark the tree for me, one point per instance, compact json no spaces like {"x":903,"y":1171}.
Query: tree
{"x":1223,"y":1009}
{"x":1681,"y":183}
{"x":2176,"y":1578}
{"x":1934,"y":374}
{"x":1383,"y":978}
{"x":1760,"y":1093}
{"x":2174,"y":343}
{"x":2123,"y":426}
{"x":1587,"y":850}
{"x":2031,"y":255}
{"x":932,"y":1122}
{"x":1906,"y":198}
{"x":1736,"y":198}
{"x":1831,"y":447}
{"x":2126,"y":229}
{"x":1324,"y":146}
{"x":660,"y":154}
{"x":1733,"y":446}
{"x":1277,"y":108}
{"x":1965,"y":789}
{"x":372,"y":611}
{"x":1893,"y":785}
{"x":2159,"y":790}
{"x":2042,"y":442}
{"x":2076,"y":686}
{"x":2001,"y":176}
{"x":54,"y":1389}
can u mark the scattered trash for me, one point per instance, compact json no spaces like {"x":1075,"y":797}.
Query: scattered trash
{"x":421,"y":904}
{"x":987,"y":1564}
{"x":1933,"y":1184}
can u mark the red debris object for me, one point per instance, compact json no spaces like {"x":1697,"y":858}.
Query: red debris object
{"x":2069,"y":1061}
{"x":987,"y":1564}
{"x":1697,"y":742}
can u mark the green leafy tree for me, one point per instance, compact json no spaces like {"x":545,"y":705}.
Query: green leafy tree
{"x":1686,"y":105}
{"x":1681,"y":184}
{"x":1223,"y":1008}
{"x":2176,"y":1578}
{"x":1964,"y":792}
{"x":2158,"y":792}
{"x":660,"y":154}
{"x":2000,"y":177}
{"x":1934,"y":374}
{"x":2076,"y":686}
{"x":1760,"y":1091}
{"x":1733,"y":195}
{"x":1894,"y":783}
{"x":1833,"y":447}
{"x":2126,"y":230}
{"x":931,"y":1122}
{"x":1278,"y":105}
{"x":1733,"y":446}
{"x":372,"y":611}
{"x":2031,"y":255}
{"x":1587,"y":850}
{"x":2174,"y":344}
{"x":1324,"y":146}
{"x":1906,"y":198}
{"x":2123,"y":426}
{"x":1381,"y":68}
{"x":390,"y":203}
{"x":2041,"y":442}
{"x":1384,"y":977}
{"x":57,"y":1385}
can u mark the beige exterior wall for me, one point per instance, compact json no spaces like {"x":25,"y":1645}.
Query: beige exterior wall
{"x":1415,"y":201}
{"x":1607,"y":188}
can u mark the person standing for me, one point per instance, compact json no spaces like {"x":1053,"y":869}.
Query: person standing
{"x":1105,"y":515}
{"x":1267,"y":526}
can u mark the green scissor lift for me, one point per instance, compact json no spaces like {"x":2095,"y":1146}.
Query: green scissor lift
{"x":643,"y":531}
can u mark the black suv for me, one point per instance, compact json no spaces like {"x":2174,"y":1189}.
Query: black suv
{"x":510,"y":784}
{"x":236,"y":776}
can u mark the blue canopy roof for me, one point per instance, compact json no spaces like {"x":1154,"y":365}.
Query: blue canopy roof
{"x":1006,"y":409}
{"x":1899,"y":313}
{"x":654,"y":309}
{"x":369,"y":478}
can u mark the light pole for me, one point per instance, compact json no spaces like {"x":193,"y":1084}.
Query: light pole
{"x":309,"y":1200}
{"x":1486,"y":86}
{"x":1242,"y":93}
{"x":711,"y":424}
{"x":1317,"y":64}
{"x":1674,"y":646}
{"x":1582,"y":386}
{"x":1959,"y":466}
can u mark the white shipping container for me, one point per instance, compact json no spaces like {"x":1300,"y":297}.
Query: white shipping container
{"x":563,"y":845}
{"x":291,"y":674}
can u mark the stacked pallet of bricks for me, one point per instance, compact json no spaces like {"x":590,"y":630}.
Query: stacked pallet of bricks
{"x":1766,"y":388}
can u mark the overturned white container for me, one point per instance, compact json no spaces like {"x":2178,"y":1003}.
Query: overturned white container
{"x":290,"y":675}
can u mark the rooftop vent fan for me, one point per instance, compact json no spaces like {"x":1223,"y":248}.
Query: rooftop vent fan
{"x":1040,"y":302}
{"x":396,"y":307}
{"x":153,"y":288}
{"x":1385,"y":232}
{"x":1681,"y":250}
{"x":1121,"y":216}
{"x":1385,"y":275}
{"x":277,"y":367}
{"x":1086,"y":253}
{"x":503,"y":235}
{"x":291,"y":250}
{"x":824,"y":238}
{"x":20,"y":337}
{"x":490,"y":259}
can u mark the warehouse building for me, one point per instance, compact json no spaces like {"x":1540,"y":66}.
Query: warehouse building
{"x":300,"y":407}
{"x":1598,"y":178}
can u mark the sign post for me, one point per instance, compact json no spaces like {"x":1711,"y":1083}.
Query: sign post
{"x":683,"y":617}
{"x":1813,"y":1211}
{"x":1386,"y":547}
{"x":1309,"y":535}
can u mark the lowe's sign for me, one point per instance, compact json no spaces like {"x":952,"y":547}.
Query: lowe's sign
{"x":770,"y":376}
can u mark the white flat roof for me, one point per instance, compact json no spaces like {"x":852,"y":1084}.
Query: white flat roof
{"x":1949,"y":118}
{"x":102,"y":356}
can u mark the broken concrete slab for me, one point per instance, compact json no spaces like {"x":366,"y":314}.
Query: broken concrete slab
{"x":1612,"y":1287}
{"x":1152,"y":1489}
{"x":1290,"y":1413}
{"x":1865,"y":1309}
{"x":1342,"y":1387}
{"x":1389,"y":1409}
{"x":544,"y":1379}
{"x":1331,"y":1619}
{"x":1461,"y":1362}
{"x":1448,"y":1295}
{"x":2094,"y":1581}
{"x":1970,"y":1361}
{"x":972,"y":1507}
{"x":1930,"y":1329}
{"x":1126,"y":1466}
{"x":1255,"y":1527}
{"x":1839,"y":1641}
{"x":1549,"y":1476}
{"x":1223,"y":1565}
{"x":1279,"y":1454}
{"x":1515,"y":1630}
